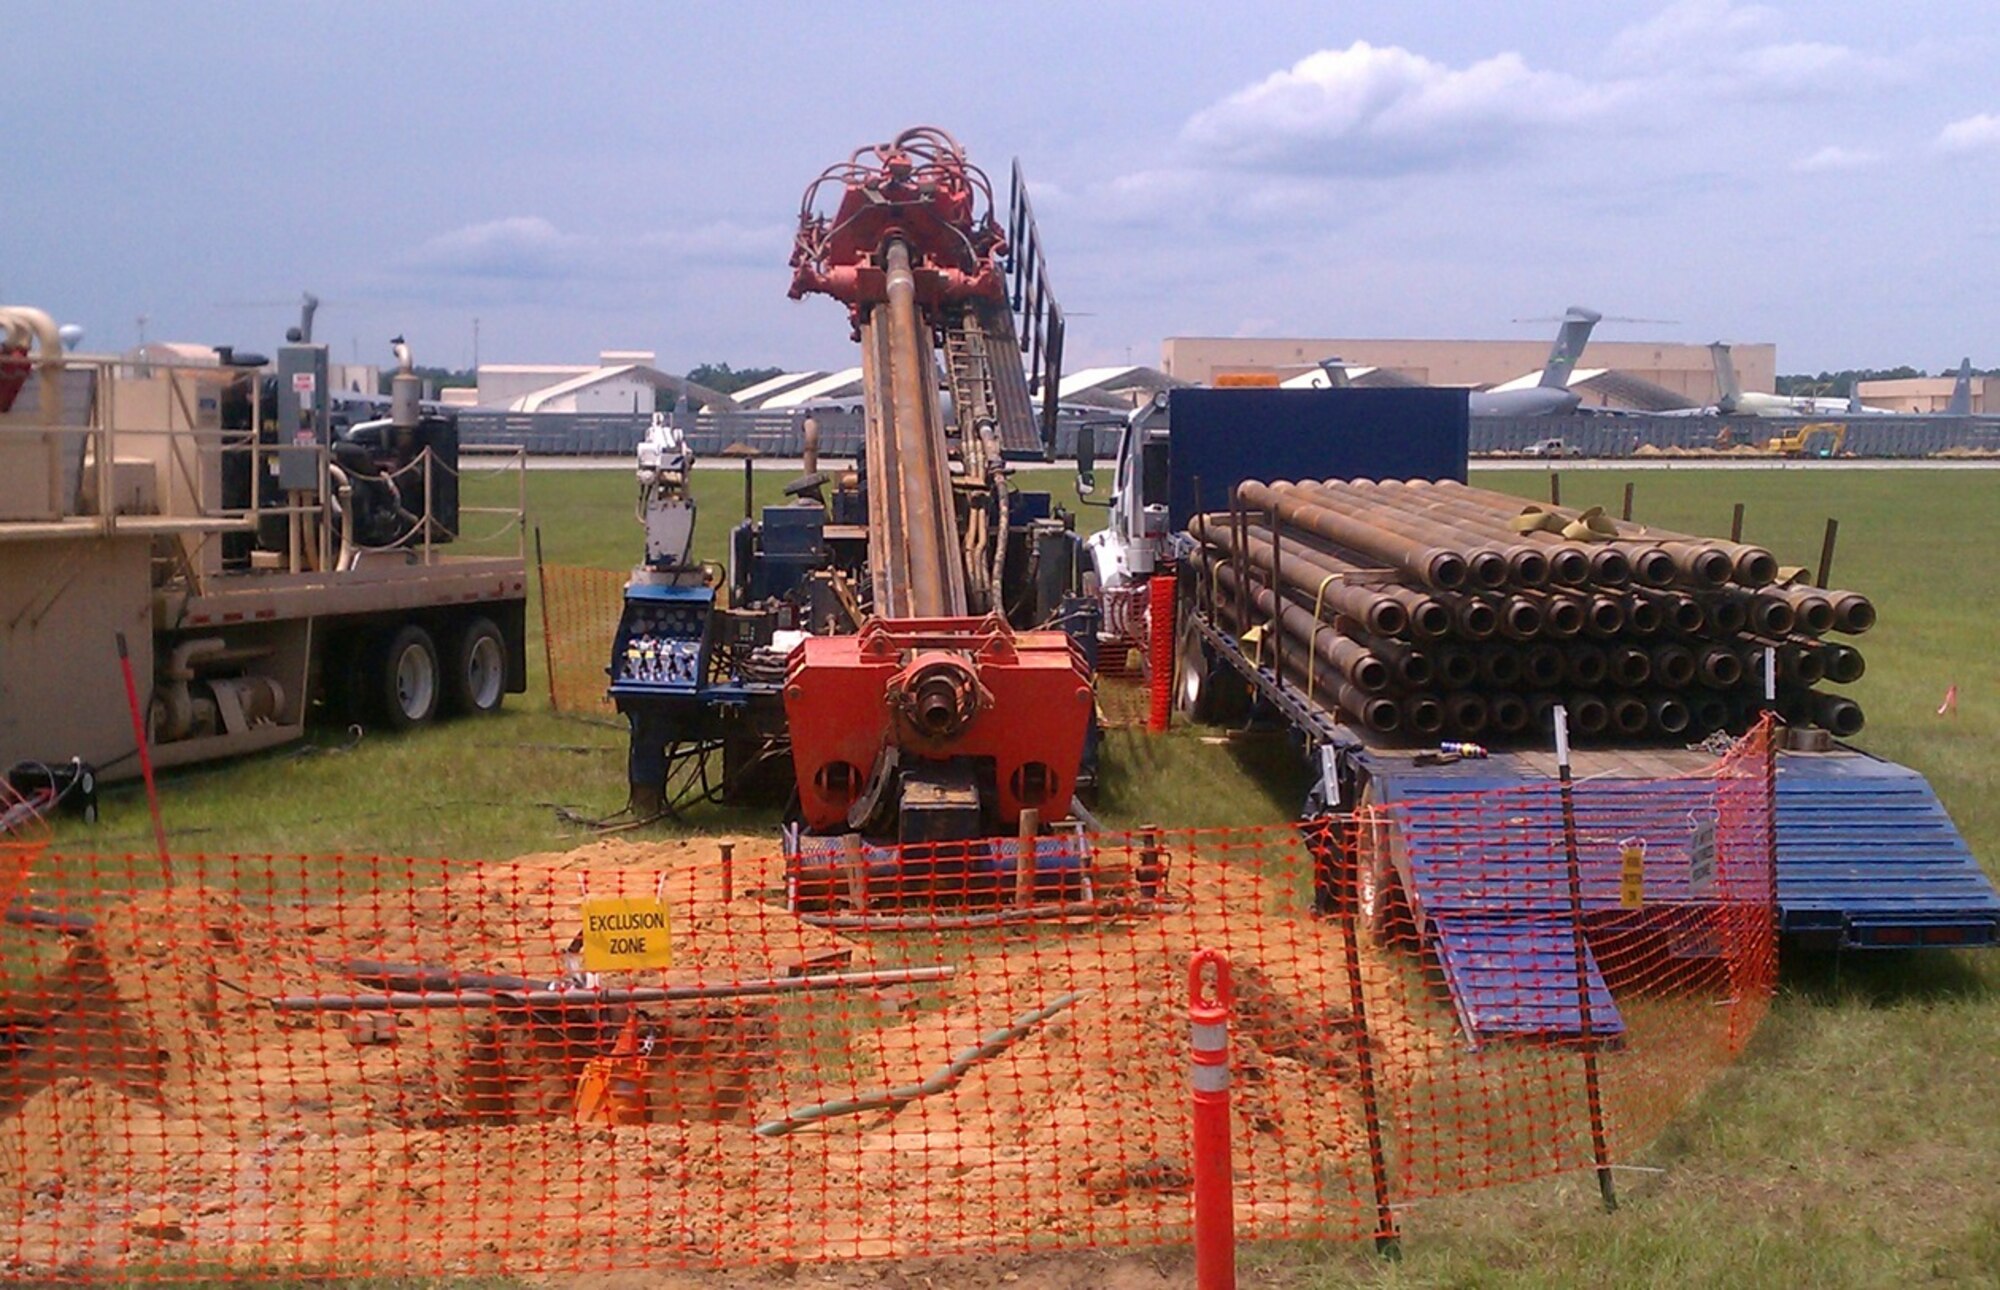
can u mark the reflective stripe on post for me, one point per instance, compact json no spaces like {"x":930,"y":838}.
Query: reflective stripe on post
{"x":1214,"y":1200}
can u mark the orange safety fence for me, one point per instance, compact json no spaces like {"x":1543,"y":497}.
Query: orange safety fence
{"x":580,"y":611}
{"x":642,"y":1055}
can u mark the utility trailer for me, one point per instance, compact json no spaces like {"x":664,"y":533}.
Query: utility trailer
{"x":253,"y":548}
{"x":1866,"y":856}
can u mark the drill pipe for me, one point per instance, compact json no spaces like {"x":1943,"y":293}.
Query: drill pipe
{"x":1569,"y":562}
{"x":1508,"y":713}
{"x":1587,"y":666}
{"x":1679,"y":611}
{"x":1763,"y":615}
{"x":1329,"y":687}
{"x":1520,"y":617}
{"x":1433,"y":566}
{"x":1563,"y":613}
{"x":1673,"y":666}
{"x":1611,"y":562}
{"x":1319,"y":577}
{"x":1412,"y":666}
{"x":1727,"y":614}
{"x":1499,"y":667}
{"x":1454,"y":666}
{"x":1752,"y":566}
{"x":1711,"y":713}
{"x":1337,"y":652}
{"x":1795,"y":662}
{"x":1643,"y":614}
{"x":1629,"y":715}
{"x":1629,"y":667}
{"x":1811,"y":608}
{"x":1427,"y":615}
{"x":1844,"y":664}
{"x":1668,"y":715}
{"x":1542,"y":666}
{"x":1588,"y":714}
{"x":1485,"y":562}
{"x":1527,"y":562}
{"x":1853,"y":613}
{"x":1422,"y":715}
{"x":1655,"y":556}
{"x":1841,"y":716}
{"x":1465,"y":712}
{"x":1720,"y":666}
{"x":1604,"y":617}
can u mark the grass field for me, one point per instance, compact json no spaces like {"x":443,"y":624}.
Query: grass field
{"x":1856,"y":1145}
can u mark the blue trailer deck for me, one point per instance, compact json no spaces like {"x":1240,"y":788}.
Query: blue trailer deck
{"x":1867,"y":856}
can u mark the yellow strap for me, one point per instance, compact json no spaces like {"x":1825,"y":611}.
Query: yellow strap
{"x":1312,"y":642}
{"x":1254,"y":638}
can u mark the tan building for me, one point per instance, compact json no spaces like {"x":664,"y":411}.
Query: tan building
{"x":1686,"y":370}
{"x":1930,"y":394}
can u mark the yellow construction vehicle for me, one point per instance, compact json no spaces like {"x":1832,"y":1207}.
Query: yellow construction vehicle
{"x":1815,"y":439}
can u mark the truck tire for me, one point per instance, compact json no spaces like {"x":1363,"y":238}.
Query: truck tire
{"x":407,"y":678}
{"x":476,"y":680}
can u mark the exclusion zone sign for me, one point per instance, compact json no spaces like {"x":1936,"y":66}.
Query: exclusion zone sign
{"x":621,"y":933}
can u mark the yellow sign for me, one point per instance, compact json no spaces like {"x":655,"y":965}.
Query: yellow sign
{"x":1632,"y":875}
{"x":623,"y":933}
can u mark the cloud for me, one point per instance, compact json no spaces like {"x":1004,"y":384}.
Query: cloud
{"x":720,"y":242}
{"x":1684,"y":32}
{"x":1713,"y":47}
{"x":1834,"y":157}
{"x":519,"y":247}
{"x":1385,"y":111}
{"x":1979,"y":133}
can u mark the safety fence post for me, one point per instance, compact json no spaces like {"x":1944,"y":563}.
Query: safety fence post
{"x":1339,"y":848}
{"x":1600,"y":1148}
{"x":1214,"y":1179}
{"x":1160,"y":651}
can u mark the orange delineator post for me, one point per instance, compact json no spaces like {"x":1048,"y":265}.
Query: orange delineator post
{"x":1160,"y":651}
{"x":1214,"y":1183}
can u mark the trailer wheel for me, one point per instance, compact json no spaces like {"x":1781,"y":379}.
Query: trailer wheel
{"x":477,"y":680}
{"x":407,"y":678}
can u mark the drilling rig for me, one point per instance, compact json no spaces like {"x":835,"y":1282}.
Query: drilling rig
{"x":938,"y":690}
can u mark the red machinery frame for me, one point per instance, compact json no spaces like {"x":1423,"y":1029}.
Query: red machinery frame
{"x":941,"y":689}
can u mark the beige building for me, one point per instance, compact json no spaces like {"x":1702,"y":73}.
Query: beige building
{"x":1686,"y":370}
{"x":1930,"y":394}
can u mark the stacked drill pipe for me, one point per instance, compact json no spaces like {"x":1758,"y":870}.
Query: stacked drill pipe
{"x":1424,"y":609}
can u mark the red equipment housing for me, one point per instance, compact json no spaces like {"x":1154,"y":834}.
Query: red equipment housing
{"x":939,"y":689}
{"x":14,"y":369}
{"x":920,"y":190}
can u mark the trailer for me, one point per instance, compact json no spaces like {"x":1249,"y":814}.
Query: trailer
{"x":1865,"y":855}
{"x":248,"y":545}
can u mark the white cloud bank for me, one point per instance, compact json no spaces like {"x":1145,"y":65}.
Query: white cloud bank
{"x":1979,"y":133}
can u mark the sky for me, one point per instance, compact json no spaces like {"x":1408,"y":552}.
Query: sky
{"x":563,"y":178}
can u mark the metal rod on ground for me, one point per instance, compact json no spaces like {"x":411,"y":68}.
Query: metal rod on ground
{"x":990,"y":918}
{"x":1214,"y":1172}
{"x":430,"y":999}
{"x":548,"y":638}
{"x":1736,"y":524}
{"x":1628,"y":500}
{"x":1826,"y":552}
{"x":888,"y":1099}
{"x":728,"y":871}
{"x":1600,"y":1149}
{"x":145,"y":760}
{"x":1555,"y":489}
{"x":1343,"y":845}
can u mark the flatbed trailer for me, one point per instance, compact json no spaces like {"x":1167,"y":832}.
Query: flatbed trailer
{"x":1867,"y":857}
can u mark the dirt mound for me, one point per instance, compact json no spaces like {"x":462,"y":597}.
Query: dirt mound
{"x":442,"y":1139}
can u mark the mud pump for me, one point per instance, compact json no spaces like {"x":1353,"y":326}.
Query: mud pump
{"x":937,"y":689}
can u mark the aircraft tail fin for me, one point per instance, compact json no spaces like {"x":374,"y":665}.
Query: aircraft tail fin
{"x":1730,"y":394}
{"x":1854,"y":404}
{"x":1961,"y":393}
{"x":1575,"y":334}
{"x":1335,"y":372}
